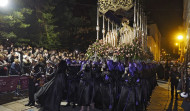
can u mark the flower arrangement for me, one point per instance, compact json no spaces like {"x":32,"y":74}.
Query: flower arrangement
{"x":132,"y":51}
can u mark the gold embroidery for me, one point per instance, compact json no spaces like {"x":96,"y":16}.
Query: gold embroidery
{"x":114,"y":5}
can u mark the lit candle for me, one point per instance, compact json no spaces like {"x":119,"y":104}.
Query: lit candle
{"x":114,"y":40}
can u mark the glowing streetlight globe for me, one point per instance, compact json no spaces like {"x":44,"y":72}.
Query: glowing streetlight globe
{"x":3,"y":3}
{"x":176,"y":44}
{"x":180,"y":37}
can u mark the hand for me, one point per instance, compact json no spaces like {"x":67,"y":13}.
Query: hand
{"x":36,"y":84}
{"x":5,"y":68}
{"x":32,"y":77}
{"x":184,"y":94}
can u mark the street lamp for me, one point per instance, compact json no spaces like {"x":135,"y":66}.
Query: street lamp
{"x":3,"y":3}
{"x":180,"y":37}
{"x":176,"y":44}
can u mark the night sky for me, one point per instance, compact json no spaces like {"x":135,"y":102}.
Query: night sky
{"x":168,"y":15}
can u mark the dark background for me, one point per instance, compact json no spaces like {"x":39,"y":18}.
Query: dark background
{"x":75,"y":20}
{"x":168,"y":15}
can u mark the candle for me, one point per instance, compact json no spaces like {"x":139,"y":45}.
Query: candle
{"x":114,"y":40}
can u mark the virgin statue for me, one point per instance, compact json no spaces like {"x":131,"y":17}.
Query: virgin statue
{"x":126,"y":32}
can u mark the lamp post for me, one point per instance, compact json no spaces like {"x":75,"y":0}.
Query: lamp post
{"x":180,"y":38}
{"x":178,"y":47}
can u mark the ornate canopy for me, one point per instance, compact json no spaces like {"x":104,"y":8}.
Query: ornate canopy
{"x":114,"y":5}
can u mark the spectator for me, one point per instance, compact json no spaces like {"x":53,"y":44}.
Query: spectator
{"x":174,"y":79}
{"x":12,"y":57}
{"x":167,"y":69}
{"x":3,"y":66}
{"x":26,"y":65}
{"x":15,"y":68}
{"x":160,"y":71}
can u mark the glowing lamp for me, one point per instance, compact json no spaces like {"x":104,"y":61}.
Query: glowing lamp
{"x":3,"y":3}
{"x":180,"y":37}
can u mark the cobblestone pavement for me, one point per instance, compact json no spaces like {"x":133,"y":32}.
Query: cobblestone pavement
{"x":160,"y":101}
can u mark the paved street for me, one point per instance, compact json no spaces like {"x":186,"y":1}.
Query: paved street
{"x":19,"y":106}
{"x":160,"y":101}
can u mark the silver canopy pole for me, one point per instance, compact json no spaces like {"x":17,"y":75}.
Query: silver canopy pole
{"x":97,"y":27}
{"x":103,"y":30}
{"x":134,"y":24}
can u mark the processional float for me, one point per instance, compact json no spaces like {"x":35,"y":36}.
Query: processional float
{"x":122,"y":33}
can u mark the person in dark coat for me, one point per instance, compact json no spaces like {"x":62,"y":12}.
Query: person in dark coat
{"x":73,"y":83}
{"x":15,"y":68}
{"x":185,"y":91}
{"x":145,"y":84}
{"x":85,"y":87}
{"x":174,"y":79}
{"x":127,"y":100}
{"x":40,"y":72}
{"x":96,"y":73}
{"x":50,"y":95}
{"x":26,"y":66}
{"x":3,"y":66}
{"x":116,"y":73}
{"x":50,"y":71}
{"x":33,"y":83}
{"x":166,"y":72}
{"x":104,"y":96}
{"x":160,"y":71}
{"x":138,"y":87}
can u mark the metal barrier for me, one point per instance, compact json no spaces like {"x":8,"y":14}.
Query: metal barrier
{"x":12,"y":82}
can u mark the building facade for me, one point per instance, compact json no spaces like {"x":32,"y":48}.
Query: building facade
{"x":153,"y":40}
{"x":186,"y":27}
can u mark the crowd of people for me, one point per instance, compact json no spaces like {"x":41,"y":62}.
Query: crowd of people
{"x":105,"y":85}
{"x":179,"y":80}
{"x":17,"y":60}
{"x":102,"y":84}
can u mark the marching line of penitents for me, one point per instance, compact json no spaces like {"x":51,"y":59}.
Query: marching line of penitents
{"x":105,"y":85}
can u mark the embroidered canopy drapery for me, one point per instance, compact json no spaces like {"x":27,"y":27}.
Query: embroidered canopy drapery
{"x":114,"y":5}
